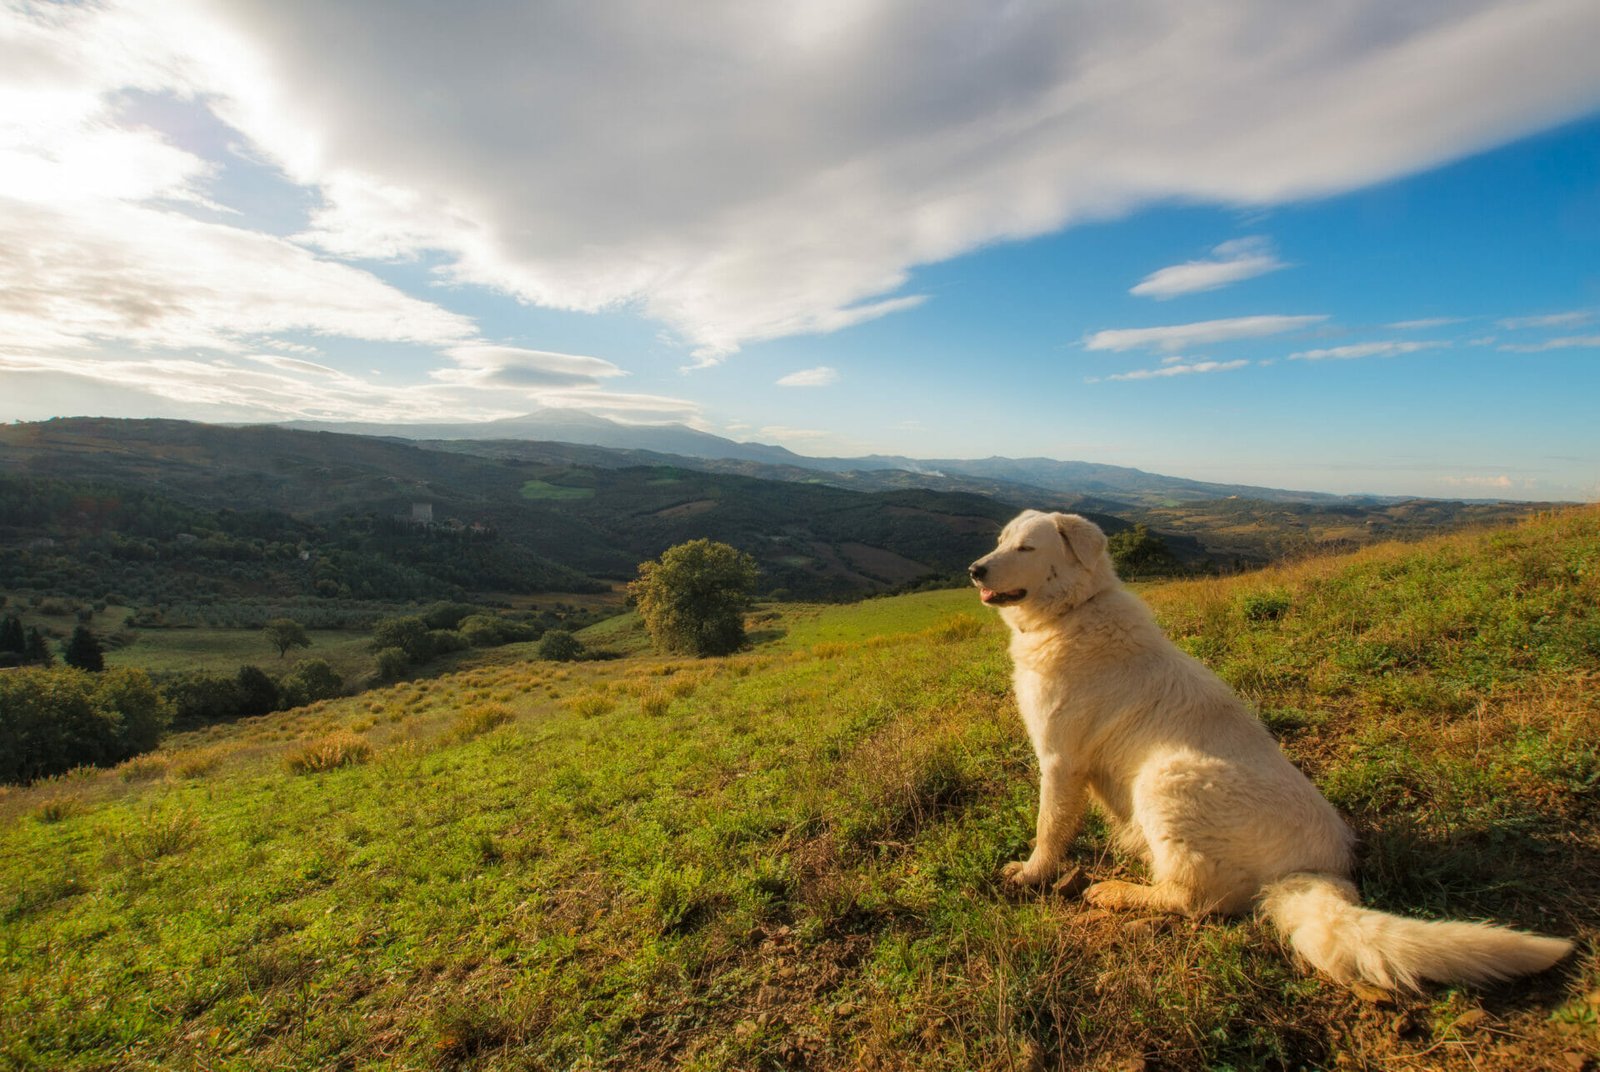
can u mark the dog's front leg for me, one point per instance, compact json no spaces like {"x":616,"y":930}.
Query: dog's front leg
{"x":1062,"y":789}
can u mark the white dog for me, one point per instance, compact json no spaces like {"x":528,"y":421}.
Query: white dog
{"x":1190,"y":778}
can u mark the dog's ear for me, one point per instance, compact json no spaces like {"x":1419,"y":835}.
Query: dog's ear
{"x":1083,"y":538}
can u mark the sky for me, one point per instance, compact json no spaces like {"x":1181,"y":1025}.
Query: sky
{"x":1348,"y":247}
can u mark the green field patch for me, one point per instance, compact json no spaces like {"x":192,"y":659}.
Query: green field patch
{"x":541,"y":489}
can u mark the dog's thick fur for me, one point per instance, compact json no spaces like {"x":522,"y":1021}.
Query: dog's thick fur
{"x":1191,"y":779}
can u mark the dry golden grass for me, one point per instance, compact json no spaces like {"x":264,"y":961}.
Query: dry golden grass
{"x":341,"y":748}
{"x":480,"y":718}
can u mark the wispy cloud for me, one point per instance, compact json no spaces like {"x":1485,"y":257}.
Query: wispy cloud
{"x":783,"y":432}
{"x":1548,"y":320}
{"x":821,"y":376}
{"x":1202,"y":333}
{"x":1365,"y":349}
{"x":1231,"y":262}
{"x":1425,"y":323}
{"x":1565,"y":342}
{"x":487,"y":365}
{"x":1499,"y":481}
{"x":1169,"y":368}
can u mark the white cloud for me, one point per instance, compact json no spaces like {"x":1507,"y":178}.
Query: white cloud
{"x":1549,"y":320}
{"x":1188,"y":369}
{"x":1565,"y":342}
{"x":1425,"y":323}
{"x":1365,"y":349}
{"x":781,"y":432}
{"x":759,"y":170}
{"x":486,"y":365}
{"x":1202,"y":333}
{"x":1231,"y":262}
{"x":1498,"y":481}
{"x":821,"y":376}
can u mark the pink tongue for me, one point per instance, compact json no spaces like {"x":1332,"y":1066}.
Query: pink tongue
{"x":986,"y":594}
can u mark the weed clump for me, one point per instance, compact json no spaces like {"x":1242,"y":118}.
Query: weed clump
{"x":480,"y":719}
{"x":155,"y":836}
{"x":957,"y":627}
{"x":55,"y":809}
{"x":591,"y":705}
{"x":340,"y":748}
{"x":200,"y":761}
{"x":1266,"y":606}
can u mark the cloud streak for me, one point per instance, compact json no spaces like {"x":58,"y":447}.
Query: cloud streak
{"x":1548,"y":320}
{"x":1564,"y":342}
{"x":821,"y":376}
{"x":1174,"y":337}
{"x":1231,"y":262}
{"x":1169,"y":369}
{"x":1365,"y":349}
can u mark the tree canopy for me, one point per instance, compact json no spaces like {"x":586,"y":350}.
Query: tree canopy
{"x":285,"y":633}
{"x":693,"y":598}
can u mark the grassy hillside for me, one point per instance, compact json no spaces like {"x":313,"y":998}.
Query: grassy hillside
{"x":787,"y":858}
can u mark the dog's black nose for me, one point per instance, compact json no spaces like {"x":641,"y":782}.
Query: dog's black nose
{"x":977,"y":570}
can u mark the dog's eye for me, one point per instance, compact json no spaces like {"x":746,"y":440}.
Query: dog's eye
{"x":1024,"y":547}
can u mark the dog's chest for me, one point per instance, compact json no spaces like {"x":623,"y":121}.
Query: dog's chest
{"x":1042,"y":700}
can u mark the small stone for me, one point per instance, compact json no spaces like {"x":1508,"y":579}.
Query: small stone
{"x":1135,"y":1063}
{"x":1372,"y":995}
{"x":1147,"y":927}
{"x":1070,"y":884}
{"x":1470,"y":1019}
{"x":1576,"y":1061}
{"x":844,"y":1008}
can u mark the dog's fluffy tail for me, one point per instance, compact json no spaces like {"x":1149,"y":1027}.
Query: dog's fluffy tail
{"x":1321,"y":919}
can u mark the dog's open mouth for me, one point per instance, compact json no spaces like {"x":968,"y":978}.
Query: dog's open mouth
{"x":1000,"y":599}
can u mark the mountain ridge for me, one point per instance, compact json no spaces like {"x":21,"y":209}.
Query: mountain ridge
{"x":1050,"y":474}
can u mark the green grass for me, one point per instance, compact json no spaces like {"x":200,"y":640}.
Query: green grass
{"x":787,"y":858}
{"x":223,"y":651}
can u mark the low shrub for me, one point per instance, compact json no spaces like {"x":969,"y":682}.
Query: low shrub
{"x":341,"y":748}
{"x":480,"y":718}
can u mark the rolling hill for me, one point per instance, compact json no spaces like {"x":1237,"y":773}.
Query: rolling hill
{"x":786,"y":858}
{"x":557,"y":522}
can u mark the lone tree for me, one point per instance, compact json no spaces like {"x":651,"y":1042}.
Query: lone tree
{"x":84,"y":651}
{"x":286,"y":633}
{"x":693,"y":598}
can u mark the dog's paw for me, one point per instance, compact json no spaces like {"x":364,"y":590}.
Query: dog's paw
{"x":1111,"y":893}
{"x":1026,"y":873}
{"x":1103,"y":894}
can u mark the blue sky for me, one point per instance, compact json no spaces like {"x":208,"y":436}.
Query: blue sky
{"x":1353,"y":249}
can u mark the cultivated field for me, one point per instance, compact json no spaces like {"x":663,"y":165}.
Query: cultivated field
{"x":787,"y":858}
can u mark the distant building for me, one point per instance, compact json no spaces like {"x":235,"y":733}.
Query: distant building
{"x":422,"y":513}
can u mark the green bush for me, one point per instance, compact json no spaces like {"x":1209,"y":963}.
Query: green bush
{"x":392,"y":664}
{"x":199,"y":699}
{"x":309,"y":681}
{"x":560,"y":646}
{"x":54,"y":719}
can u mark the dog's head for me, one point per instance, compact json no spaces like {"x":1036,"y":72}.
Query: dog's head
{"x":1045,"y":562}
